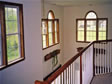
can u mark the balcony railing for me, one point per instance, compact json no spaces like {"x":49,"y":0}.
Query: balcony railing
{"x":95,"y":59}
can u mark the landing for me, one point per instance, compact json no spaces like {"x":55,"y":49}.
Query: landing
{"x":102,"y":79}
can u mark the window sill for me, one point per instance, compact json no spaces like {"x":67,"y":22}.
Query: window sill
{"x":12,"y":63}
{"x":83,"y":41}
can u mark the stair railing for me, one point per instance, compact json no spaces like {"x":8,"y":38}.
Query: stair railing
{"x":81,"y":68}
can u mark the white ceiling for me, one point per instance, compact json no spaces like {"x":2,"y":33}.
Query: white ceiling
{"x":78,"y":2}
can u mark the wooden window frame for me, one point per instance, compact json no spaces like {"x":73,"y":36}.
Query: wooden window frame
{"x":53,"y":30}
{"x":85,"y":27}
{"x":53,"y":33}
{"x":5,"y":62}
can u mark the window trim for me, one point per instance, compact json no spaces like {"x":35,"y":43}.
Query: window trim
{"x":47,"y":41}
{"x":5,"y":63}
{"x":85,"y":26}
{"x":53,"y":19}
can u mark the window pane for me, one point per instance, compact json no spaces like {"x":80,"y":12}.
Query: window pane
{"x":44,"y":41}
{"x":50,"y":15}
{"x":102,"y":29}
{"x":91,"y":31}
{"x":56,"y":31}
{"x":80,"y":30}
{"x":50,"y":26}
{"x":11,"y":20}
{"x":80,"y":35}
{"x":56,"y":39}
{"x":56,"y":26}
{"x":13,"y":47}
{"x":50,"y":39}
{"x":44,"y":27}
{"x":91,"y":15}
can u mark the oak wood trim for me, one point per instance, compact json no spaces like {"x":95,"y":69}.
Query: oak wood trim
{"x":5,"y":63}
{"x":85,"y":28}
{"x":49,"y":56}
{"x":81,"y":69}
{"x":3,"y":33}
{"x":53,"y":33}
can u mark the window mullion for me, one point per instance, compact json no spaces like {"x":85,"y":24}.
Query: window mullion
{"x":85,"y":29}
{"x":53,"y":32}
{"x":47,"y":34}
{"x":58,"y":31}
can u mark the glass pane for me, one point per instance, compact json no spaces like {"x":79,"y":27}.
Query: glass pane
{"x":44,"y":41}
{"x":56,"y":25}
{"x":50,"y":39}
{"x":50,"y":15}
{"x":80,"y":25}
{"x":102,"y":35}
{"x":80,"y":35}
{"x":50,"y":26}
{"x":91,"y":31}
{"x":44,"y":27}
{"x":80,"y":30}
{"x":91,"y":15}
{"x":102,"y":29}
{"x":13,"y":47}
{"x":11,"y":20}
{"x":56,"y":39}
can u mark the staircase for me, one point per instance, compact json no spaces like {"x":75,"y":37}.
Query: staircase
{"x":90,"y":66}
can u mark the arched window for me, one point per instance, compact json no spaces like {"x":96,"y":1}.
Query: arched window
{"x":51,"y":15}
{"x":91,"y":28}
{"x":91,"y":15}
{"x":50,"y":30}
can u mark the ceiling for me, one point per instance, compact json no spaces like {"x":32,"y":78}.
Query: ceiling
{"x":78,"y":2}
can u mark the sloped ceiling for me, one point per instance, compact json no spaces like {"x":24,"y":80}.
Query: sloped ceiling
{"x":78,"y":2}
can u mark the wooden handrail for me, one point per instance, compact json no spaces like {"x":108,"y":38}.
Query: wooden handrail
{"x":40,"y":82}
{"x":60,"y":70}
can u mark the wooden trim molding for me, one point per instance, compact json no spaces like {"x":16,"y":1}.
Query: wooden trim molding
{"x":5,"y":62}
{"x":85,"y":26}
{"x":51,"y":54}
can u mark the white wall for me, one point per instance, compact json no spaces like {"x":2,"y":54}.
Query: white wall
{"x":29,"y":70}
{"x":58,"y":12}
{"x":70,"y":16}
{"x":0,"y":78}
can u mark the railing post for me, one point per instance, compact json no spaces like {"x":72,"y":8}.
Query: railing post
{"x":81,"y":69}
{"x":79,"y":49}
{"x":94,"y":60}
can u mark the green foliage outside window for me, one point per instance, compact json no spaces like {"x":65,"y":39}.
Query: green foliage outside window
{"x":12,"y":33}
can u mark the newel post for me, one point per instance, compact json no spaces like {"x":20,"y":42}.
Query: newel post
{"x":79,"y":49}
